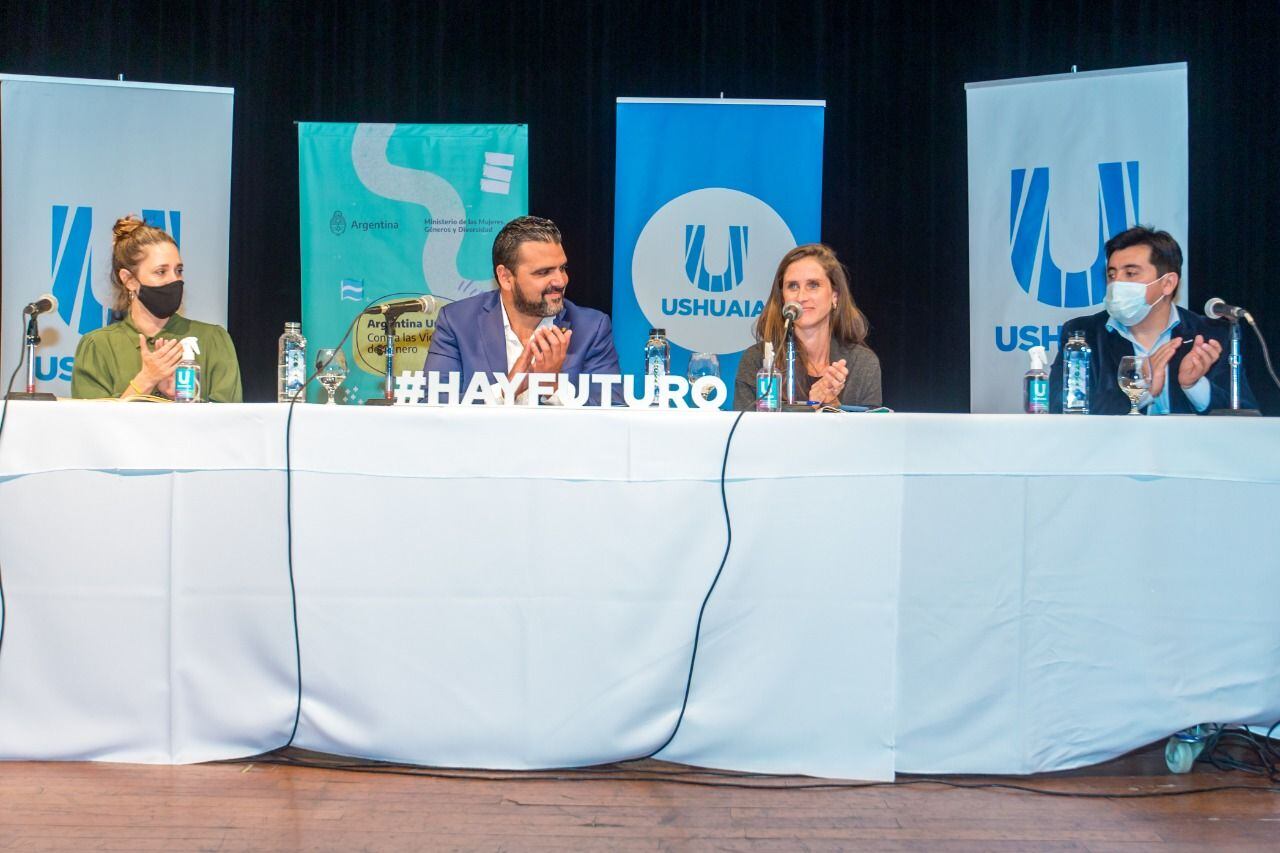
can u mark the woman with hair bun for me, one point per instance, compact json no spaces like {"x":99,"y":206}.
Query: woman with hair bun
{"x":834,"y":365}
{"x":137,"y":355}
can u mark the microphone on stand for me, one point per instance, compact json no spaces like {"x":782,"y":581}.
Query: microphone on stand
{"x":791,"y":312}
{"x":31,"y":339}
{"x":43,"y":305}
{"x":1216,"y":309}
{"x":390,"y":312}
{"x":425,"y":304}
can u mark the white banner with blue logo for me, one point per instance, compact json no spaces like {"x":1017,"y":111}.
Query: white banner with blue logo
{"x":711,"y":193}
{"x":75,"y":155}
{"x":1057,"y":166}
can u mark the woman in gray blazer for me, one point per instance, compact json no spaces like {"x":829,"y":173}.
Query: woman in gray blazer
{"x":834,"y":365}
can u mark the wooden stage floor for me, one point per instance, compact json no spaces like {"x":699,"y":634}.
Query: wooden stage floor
{"x":641,"y":806}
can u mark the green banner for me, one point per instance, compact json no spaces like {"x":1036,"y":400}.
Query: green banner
{"x":390,"y":211}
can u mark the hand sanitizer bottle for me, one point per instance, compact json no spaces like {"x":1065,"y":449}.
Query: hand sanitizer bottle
{"x":768,"y":382}
{"x":186,"y":376}
{"x":1035,"y":384}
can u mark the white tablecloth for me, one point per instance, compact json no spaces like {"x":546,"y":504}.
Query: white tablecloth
{"x":512,"y":588}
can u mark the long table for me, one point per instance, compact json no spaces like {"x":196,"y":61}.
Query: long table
{"x":516,"y":588}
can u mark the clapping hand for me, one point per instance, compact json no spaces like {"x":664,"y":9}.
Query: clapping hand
{"x":158,"y":365}
{"x":1159,"y":360}
{"x":1197,"y":362}
{"x":545,"y":353}
{"x":550,"y":345}
{"x":830,"y":385}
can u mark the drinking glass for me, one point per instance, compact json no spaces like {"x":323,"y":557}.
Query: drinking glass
{"x":331,"y":365}
{"x":703,"y":364}
{"x":1134,"y":376}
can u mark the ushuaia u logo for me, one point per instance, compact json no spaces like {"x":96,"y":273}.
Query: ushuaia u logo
{"x":1029,"y":234}
{"x":733,"y":266}
{"x":71,"y":265}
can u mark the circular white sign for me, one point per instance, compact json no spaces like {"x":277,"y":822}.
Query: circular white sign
{"x":704,"y":264}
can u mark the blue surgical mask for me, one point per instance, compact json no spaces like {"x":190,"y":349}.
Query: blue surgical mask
{"x":1126,"y":301}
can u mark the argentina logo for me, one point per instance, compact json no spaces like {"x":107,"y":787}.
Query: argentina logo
{"x":703,"y":265}
{"x":1030,"y":234}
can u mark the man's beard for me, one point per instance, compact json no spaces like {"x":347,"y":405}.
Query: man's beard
{"x":541,"y":308}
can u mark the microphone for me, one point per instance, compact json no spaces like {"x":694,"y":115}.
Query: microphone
{"x":791,"y":311}
{"x":1216,"y":309}
{"x":425,"y":304}
{"x":43,"y":305}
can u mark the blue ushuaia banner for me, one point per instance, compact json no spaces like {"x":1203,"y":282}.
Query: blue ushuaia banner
{"x":390,"y":211}
{"x":1053,"y":174}
{"x":711,"y":193}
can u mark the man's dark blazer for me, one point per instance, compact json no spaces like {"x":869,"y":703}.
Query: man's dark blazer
{"x":469,"y":338}
{"x":1105,"y":396}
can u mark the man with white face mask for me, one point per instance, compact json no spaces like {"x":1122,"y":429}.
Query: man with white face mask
{"x":1188,"y":373}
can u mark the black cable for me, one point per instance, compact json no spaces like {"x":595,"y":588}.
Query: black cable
{"x":1270,"y":742}
{"x":288,"y":504}
{"x":1266,"y":356}
{"x":1241,"y":738}
{"x":4,"y":406}
{"x":288,"y":541}
{"x":4,"y":413}
{"x":697,"y":630}
{"x":776,"y":783}
{"x":288,"y":469}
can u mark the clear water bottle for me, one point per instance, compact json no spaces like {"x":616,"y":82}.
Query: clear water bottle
{"x":292,"y":366}
{"x":657,"y":359}
{"x":1035,"y":384}
{"x":768,"y":382}
{"x":1076,"y":380}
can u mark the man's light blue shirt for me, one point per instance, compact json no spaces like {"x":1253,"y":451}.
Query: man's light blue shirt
{"x":1198,"y":394}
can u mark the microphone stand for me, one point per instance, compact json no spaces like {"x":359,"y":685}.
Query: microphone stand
{"x":1236,"y":361}
{"x":389,"y":319}
{"x":789,"y":354}
{"x":31,"y":340}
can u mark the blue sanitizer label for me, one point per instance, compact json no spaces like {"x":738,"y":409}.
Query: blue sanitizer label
{"x":767,"y":391}
{"x":184,"y":383}
{"x":1038,"y":395}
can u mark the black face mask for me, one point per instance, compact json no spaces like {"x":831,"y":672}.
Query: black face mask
{"x":162,"y":301}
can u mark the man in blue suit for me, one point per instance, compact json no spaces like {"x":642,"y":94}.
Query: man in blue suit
{"x":526,"y":325}
{"x":1184,"y":349}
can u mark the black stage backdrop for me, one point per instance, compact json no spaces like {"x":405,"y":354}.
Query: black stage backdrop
{"x":892,"y":74}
